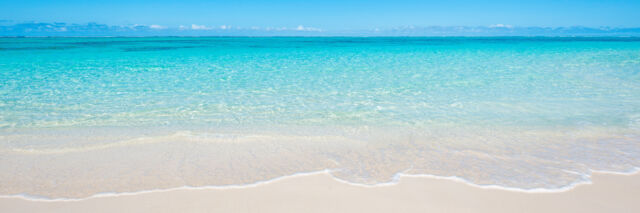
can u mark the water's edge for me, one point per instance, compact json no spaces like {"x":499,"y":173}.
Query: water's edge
{"x":396,"y":180}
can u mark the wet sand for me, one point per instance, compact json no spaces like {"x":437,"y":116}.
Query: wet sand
{"x":322,"y":193}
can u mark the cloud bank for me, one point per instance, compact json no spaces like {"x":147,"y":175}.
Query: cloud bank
{"x":95,"y":29}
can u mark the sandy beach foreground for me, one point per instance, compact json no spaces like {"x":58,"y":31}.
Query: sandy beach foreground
{"x":322,"y":193}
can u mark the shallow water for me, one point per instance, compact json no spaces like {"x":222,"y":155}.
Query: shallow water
{"x":80,"y":116}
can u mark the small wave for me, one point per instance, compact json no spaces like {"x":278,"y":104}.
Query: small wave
{"x":183,"y":136}
{"x":586,"y":180}
{"x":247,"y":159}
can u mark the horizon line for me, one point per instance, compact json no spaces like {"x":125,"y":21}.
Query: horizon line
{"x":93,"y":29}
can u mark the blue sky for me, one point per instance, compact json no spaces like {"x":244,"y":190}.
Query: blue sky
{"x":327,"y":14}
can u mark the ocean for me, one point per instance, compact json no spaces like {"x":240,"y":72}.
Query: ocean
{"x":85,"y":116}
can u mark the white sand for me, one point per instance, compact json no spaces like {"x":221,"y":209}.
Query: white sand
{"x":321,"y":193}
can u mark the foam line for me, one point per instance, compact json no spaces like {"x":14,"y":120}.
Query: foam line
{"x":394,"y":181}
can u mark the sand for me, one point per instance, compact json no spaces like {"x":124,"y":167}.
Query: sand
{"x":322,"y":193}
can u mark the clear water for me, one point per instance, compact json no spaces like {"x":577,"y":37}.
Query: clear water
{"x":79,"y":116}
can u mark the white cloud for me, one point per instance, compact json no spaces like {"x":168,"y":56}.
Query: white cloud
{"x":157,"y":27}
{"x":224,"y":27}
{"x":303,"y":28}
{"x":199,"y":27}
{"x":501,"y":26}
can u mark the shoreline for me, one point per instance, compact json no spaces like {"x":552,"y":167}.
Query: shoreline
{"x":327,"y":172}
{"x":209,"y":160}
{"x":321,"y":192}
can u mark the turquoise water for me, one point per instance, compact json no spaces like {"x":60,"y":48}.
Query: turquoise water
{"x":529,"y":113}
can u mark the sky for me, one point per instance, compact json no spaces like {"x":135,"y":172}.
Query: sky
{"x":327,"y":14}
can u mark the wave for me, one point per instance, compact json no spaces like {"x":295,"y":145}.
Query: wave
{"x":546,"y":163}
{"x":396,"y":180}
{"x":180,"y":135}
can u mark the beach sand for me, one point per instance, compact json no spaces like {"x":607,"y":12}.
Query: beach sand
{"x":322,"y":193}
